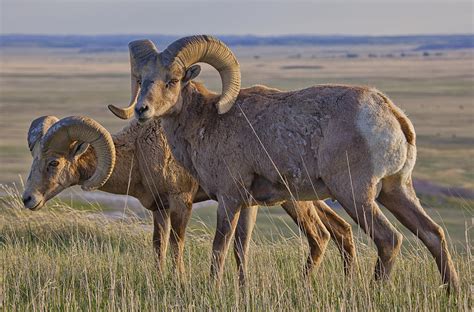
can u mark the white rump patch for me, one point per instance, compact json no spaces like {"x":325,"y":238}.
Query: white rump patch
{"x":384,"y":138}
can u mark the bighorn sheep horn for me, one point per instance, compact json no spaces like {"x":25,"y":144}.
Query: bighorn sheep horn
{"x":67,"y":130}
{"x":207,"y":49}
{"x":140,"y":53}
{"x":185,"y":52}
{"x":38,"y":129}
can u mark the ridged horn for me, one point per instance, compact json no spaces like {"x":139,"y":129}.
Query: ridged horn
{"x":140,"y":53}
{"x":207,"y":49}
{"x":38,"y":129}
{"x":67,"y":130}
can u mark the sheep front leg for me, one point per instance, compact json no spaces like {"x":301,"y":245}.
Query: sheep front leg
{"x":161,"y":232}
{"x":228,"y":213}
{"x":304,"y":214}
{"x":243,"y":234}
{"x":180,"y":212}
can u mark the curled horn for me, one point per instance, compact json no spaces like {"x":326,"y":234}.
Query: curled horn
{"x":38,"y":129}
{"x":207,"y":49}
{"x":60,"y":136}
{"x":140,"y":53}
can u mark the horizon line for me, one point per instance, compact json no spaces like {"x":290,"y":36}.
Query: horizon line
{"x":241,"y":35}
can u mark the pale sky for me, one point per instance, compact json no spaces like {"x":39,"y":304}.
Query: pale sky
{"x":261,"y":17}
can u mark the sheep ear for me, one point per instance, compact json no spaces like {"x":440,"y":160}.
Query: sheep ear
{"x":191,"y":73}
{"x":79,"y":148}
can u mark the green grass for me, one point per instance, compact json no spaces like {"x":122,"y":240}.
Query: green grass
{"x":64,"y":259}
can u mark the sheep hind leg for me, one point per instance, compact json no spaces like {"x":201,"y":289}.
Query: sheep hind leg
{"x":399,"y":197}
{"x":180,"y":213}
{"x":243,"y":235}
{"x":161,"y":233}
{"x":359,"y":202}
{"x":341,"y":234}
{"x":304,"y":214}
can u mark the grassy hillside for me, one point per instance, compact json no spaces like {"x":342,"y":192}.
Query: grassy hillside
{"x":68,"y":259}
{"x":80,"y":256}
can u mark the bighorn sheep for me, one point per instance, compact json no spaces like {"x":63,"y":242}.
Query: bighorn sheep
{"x":138,"y":161}
{"x":346,"y":142}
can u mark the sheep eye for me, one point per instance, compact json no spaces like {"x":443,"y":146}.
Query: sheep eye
{"x":172,"y":83}
{"x":53,"y":163}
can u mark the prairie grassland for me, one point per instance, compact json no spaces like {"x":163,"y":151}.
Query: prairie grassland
{"x":74,"y":256}
{"x":435,"y":91}
{"x":69,"y":260}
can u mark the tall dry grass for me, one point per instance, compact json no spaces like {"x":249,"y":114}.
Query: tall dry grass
{"x":64,"y":260}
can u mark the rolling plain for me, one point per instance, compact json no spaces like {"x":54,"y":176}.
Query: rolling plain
{"x":91,"y":252}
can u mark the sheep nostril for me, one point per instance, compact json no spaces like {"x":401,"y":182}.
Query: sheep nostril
{"x":142,"y":109}
{"x":26,"y":199}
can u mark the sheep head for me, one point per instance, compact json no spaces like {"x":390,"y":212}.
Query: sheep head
{"x":158,"y":78}
{"x":57,"y":146}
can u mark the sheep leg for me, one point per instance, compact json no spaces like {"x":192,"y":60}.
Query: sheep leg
{"x":400,"y":198}
{"x":180,"y":212}
{"x":357,"y":197}
{"x":243,"y":234}
{"x":227,"y":216}
{"x":161,"y":233}
{"x":309,"y":222}
{"x":363,"y":209}
{"x":341,"y":233}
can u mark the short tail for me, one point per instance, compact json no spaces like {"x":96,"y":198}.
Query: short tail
{"x":405,"y":123}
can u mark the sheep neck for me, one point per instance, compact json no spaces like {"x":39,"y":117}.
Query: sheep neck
{"x":197,"y":101}
{"x":87,"y":165}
